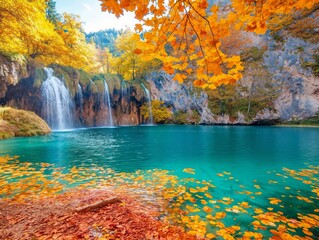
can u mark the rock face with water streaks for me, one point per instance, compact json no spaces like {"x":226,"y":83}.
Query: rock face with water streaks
{"x":48,"y":93}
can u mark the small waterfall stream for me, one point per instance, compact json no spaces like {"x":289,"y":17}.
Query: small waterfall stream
{"x":93,"y":84}
{"x":57,"y":106}
{"x":123,"y":89}
{"x":79,"y":96}
{"x":107,"y":101}
{"x":125,"y":97}
{"x":147,"y":92}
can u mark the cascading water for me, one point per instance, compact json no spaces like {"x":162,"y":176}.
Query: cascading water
{"x":57,"y":106}
{"x":79,"y":96}
{"x":149,"y":103}
{"x":93,"y":84}
{"x":123,"y":89}
{"x":107,"y":101}
{"x":125,"y":99}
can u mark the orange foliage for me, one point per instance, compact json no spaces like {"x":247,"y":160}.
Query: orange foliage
{"x":186,"y":34}
{"x":37,"y":203}
{"x":40,"y":219}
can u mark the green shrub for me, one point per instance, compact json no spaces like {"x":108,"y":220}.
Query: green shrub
{"x":253,"y":54}
{"x":161,"y":114}
{"x":188,"y":117}
{"x":313,"y":65}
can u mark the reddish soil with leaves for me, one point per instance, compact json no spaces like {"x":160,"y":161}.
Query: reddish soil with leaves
{"x":56,"y":218}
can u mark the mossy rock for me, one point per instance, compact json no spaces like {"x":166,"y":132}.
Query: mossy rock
{"x":186,"y":117}
{"x":16,"y":123}
{"x":39,"y":77}
{"x":310,"y":121}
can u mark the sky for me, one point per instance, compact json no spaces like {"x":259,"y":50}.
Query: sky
{"x":92,"y":16}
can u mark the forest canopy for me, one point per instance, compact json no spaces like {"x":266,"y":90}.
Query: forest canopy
{"x":35,"y":30}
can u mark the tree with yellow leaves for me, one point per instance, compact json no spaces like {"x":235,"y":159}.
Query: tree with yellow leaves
{"x":26,"y":30}
{"x":105,"y":58}
{"x":133,"y":63}
{"x":192,"y":30}
{"x":79,"y":53}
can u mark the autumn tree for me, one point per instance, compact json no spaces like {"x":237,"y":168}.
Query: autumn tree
{"x":192,"y":30}
{"x":132,"y":63}
{"x":105,"y":59}
{"x":28,"y":28}
{"x":79,"y":53}
{"x":24,"y":28}
{"x":256,"y":91}
{"x":161,"y":113}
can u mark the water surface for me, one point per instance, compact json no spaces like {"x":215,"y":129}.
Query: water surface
{"x":245,"y":165}
{"x":245,"y":151}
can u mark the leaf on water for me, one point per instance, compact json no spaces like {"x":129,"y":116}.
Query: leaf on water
{"x":189,"y":170}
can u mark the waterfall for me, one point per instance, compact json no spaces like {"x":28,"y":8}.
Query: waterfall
{"x":57,"y":106}
{"x":125,"y":99}
{"x":123,"y":89}
{"x":79,"y":95}
{"x":107,"y":101}
{"x":93,"y":83}
{"x":149,"y":103}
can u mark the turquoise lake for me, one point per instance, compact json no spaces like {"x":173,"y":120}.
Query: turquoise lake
{"x":247,"y":152}
{"x":233,"y":158}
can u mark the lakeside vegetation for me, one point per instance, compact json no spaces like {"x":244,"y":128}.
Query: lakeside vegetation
{"x":311,"y":121}
{"x":18,"y":123}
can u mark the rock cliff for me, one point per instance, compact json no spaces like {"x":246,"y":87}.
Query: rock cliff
{"x":299,"y":93}
{"x":283,"y":66}
{"x":23,"y":88}
{"x":281,"y":83}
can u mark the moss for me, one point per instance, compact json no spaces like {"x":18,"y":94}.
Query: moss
{"x":186,"y":117}
{"x":253,"y":54}
{"x":311,"y":121}
{"x":69,"y":75}
{"x":84,"y":78}
{"x":14,"y":123}
{"x":100,"y":85}
{"x":112,"y":80}
{"x":314,"y":65}
{"x":39,"y":77}
{"x":305,"y":28}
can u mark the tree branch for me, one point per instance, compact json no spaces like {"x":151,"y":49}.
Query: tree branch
{"x":98,"y":205}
